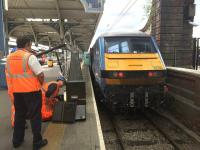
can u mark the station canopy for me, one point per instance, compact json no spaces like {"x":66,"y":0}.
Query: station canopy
{"x":49,"y":22}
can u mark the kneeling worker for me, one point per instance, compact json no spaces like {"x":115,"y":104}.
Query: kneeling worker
{"x":50,"y":93}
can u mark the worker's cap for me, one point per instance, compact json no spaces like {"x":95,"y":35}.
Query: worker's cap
{"x":51,"y":89}
{"x":61,"y":79}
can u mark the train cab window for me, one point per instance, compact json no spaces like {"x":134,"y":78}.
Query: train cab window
{"x":141,"y":46}
{"x":124,"y":47}
{"x":129,"y":45}
{"x":113,"y":48}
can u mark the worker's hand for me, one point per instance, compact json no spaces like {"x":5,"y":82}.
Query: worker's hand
{"x":41,"y":78}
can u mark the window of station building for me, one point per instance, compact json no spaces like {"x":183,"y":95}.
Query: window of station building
{"x":129,"y":45}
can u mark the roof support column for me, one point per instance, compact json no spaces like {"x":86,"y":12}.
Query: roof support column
{"x":49,"y":41}
{"x":70,"y":37}
{"x":61,"y":22}
{"x":2,"y":31}
{"x":6,"y":35}
{"x":34,"y":35}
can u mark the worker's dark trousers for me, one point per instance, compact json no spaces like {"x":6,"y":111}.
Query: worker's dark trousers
{"x":27,"y":105}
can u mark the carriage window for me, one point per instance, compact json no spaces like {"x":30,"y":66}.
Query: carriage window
{"x":129,"y":45}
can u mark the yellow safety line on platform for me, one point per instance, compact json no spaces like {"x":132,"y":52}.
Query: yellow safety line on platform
{"x":54,"y":134}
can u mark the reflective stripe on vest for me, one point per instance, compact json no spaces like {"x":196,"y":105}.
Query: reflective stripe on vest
{"x":20,"y":75}
{"x":24,"y":75}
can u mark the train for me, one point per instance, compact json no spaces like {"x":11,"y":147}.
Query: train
{"x":128,"y":71}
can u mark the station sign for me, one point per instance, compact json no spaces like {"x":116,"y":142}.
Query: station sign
{"x":93,"y":6}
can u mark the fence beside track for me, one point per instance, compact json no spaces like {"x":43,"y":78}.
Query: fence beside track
{"x":184,"y":86}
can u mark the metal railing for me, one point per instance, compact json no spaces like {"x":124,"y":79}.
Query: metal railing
{"x":196,"y":53}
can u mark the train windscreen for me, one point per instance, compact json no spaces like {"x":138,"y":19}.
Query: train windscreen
{"x":129,"y":45}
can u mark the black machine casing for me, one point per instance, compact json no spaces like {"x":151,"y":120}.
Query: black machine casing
{"x":76,"y":88}
{"x":64,"y":112}
{"x":77,"y":93}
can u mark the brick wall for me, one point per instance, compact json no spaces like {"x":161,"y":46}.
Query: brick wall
{"x":172,"y":31}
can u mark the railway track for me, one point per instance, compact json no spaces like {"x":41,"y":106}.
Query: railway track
{"x":146,"y":131}
{"x":177,"y":134}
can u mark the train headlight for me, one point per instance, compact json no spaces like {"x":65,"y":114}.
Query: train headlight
{"x":117,"y":75}
{"x":153,"y":74}
{"x":121,"y":75}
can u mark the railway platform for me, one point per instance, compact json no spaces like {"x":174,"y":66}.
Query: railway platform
{"x":82,"y":135}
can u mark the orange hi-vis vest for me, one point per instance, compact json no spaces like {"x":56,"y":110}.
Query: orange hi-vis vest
{"x":20,"y":77}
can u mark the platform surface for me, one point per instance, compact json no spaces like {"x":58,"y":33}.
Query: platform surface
{"x":83,"y":135}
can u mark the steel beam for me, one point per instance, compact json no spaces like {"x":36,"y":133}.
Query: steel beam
{"x":34,"y":35}
{"x":61,"y":24}
{"x":2,"y":31}
{"x":61,"y":21}
{"x":46,"y":9}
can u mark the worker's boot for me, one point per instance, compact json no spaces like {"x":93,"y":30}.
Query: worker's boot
{"x":40,"y":144}
{"x":16,"y":145}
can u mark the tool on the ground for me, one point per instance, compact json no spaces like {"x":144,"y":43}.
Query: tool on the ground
{"x":64,"y":112}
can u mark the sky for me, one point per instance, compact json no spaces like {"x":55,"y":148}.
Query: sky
{"x":196,"y":30}
{"x":134,"y":19}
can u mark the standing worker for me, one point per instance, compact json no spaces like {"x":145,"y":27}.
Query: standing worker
{"x":25,"y":77}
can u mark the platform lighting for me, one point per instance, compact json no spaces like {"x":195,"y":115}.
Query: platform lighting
{"x":55,"y":20}
{"x":38,"y":19}
{"x":51,"y":32}
{"x":6,"y":5}
{"x":193,"y":23}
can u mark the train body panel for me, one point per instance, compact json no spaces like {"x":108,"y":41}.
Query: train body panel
{"x":133,"y":62}
{"x":128,"y":68}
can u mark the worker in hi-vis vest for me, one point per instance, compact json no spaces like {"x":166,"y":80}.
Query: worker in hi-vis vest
{"x":50,"y":92}
{"x":24,"y":78}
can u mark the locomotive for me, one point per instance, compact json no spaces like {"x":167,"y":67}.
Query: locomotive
{"x":128,"y":70}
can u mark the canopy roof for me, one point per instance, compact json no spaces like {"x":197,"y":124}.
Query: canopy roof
{"x":51,"y":21}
